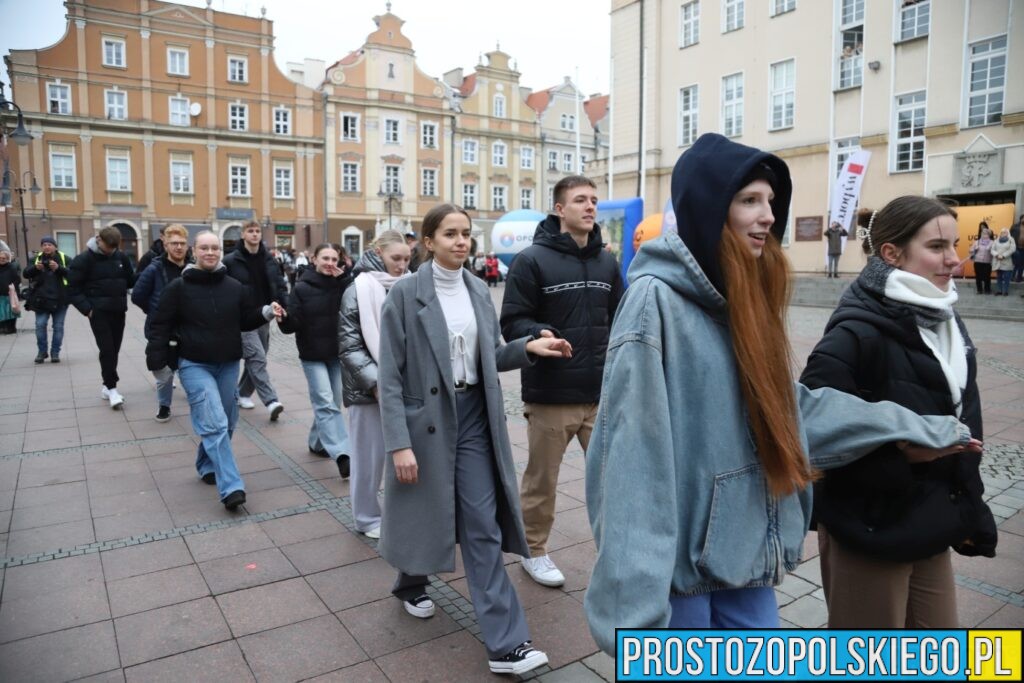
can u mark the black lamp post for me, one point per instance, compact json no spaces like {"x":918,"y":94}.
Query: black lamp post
{"x":390,"y":190}
{"x":20,"y":135}
{"x":5,"y":198}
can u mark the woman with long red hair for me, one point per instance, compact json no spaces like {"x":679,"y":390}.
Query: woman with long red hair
{"x":699,"y":469}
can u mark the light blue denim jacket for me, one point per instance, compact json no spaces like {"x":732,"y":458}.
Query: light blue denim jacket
{"x":675,"y":493}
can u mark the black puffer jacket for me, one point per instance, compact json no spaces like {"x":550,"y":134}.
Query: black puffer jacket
{"x":207,"y":311}
{"x":100,"y":281}
{"x":155,"y":252}
{"x":238,"y":268}
{"x":49,"y":287}
{"x":313,"y":314}
{"x":554,"y":285}
{"x":881,"y":505}
{"x":9,"y":275}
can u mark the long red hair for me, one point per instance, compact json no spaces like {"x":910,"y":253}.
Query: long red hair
{"x":757,"y":291}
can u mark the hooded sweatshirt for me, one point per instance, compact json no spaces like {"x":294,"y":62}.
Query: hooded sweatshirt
{"x":100,"y":281}
{"x":574,"y":292}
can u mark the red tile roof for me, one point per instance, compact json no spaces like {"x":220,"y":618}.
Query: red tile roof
{"x":596,"y":108}
{"x":538,"y":101}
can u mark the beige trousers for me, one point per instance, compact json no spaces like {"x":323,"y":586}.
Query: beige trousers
{"x":550,"y":428}
{"x":864,"y":592}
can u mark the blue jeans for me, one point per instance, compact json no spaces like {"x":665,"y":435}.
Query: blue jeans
{"x":734,"y":608}
{"x":213,"y":404}
{"x":1003,"y":281}
{"x":325,"y":393}
{"x":42,"y":318}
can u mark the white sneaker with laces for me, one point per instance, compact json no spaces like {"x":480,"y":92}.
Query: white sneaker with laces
{"x":275,"y":409}
{"x":520,"y":660}
{"x":246,"y":403}
{"x":115,"y":398}
{"x":543,"y":571}
{"x":420,"y":607}
{"x":372,"y":533}
{"x":104,"y":392}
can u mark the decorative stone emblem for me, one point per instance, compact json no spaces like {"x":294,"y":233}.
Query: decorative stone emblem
{"x":975,"y":170}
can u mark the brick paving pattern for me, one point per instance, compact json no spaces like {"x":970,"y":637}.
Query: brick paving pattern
{"x":117,"y":564}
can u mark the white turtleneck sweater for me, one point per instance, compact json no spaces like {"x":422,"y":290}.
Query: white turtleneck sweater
{"x":461,"y":320}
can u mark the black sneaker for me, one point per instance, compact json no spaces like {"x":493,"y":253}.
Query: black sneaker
{"x":234,"y":499}
{"x":520,"y":660}
{"x":164,"y":414}
{"x":322,"y":452}
{"x":40,"y":358}
{"x":344,"y":466}
{"x":420,"y":607}
{"x":210,"y":478}
{"x":54,"y":357}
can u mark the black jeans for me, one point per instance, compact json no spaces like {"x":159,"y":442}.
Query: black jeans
{"x":108,"y":330}
{"x":983,"y":277}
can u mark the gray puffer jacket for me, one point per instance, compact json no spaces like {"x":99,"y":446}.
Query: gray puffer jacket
{"x":360,"y":375}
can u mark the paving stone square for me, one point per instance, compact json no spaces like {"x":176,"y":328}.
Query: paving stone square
{"x":118,"y":564}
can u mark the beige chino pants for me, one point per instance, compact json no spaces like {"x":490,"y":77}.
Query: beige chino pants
{"x":550,"y":428}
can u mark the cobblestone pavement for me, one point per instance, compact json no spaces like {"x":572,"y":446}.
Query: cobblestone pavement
{"x":117,"y":564}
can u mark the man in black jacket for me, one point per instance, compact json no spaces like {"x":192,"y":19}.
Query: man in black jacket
{"x":98,"y":281}
{"x":567,"y":285}
{"x":155,"y":251}
{"x":254,"y":266}
{"x":48,"y":274}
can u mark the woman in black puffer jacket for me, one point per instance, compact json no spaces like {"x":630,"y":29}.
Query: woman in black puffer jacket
{"x":313,"y":317}
{"x":885,"y":526}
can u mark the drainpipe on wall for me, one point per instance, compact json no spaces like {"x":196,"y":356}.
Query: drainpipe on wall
{"x":323,"y":98}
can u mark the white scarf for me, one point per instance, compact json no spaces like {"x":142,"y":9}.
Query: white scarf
{"x":944,"y":340}
{"x":371,"y":289}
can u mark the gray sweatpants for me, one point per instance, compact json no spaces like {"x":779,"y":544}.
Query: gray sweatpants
{"x":366,"y":444}
{"x":255,"y":377}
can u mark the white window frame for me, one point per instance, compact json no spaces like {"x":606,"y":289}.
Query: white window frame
{"x":65,"y":152}
{"x":428,"y":182}
{"x":989,"y":94}
{"x":236,"y":60}
{"x":238,"y":116}
{"x":121,"y":52}
{"x":567,"y":162}
{"x":187,"y":120}
{"x":62,"y":98}
{"x":689,"y":23}
{"x":109,"y":109}
{"x":688,"y":119}
{"x":350,"y":176}
{"x":918,"y":29}
{"x":356,"y":121}
{"x":498,"y":104}
{"x":732,"y":106}
{"x":428,"y":135}
{"x":783,"y":95}
{"x":282,"y":124}
{"x":844,"y":148}
{"x":239,"y":183}
{"x":284,"y":180}
{"x":526,"y":198}
{"x":856,"y":16}
{"x":737,"y":19}
{"x":175,"y":50}
{"x":392,"y":135}
{"x":181,"y":182}
{"x":470,"y":152}
{"x":393,"y":179}
{"x":124,"y":183}
{"x":552,"y":160}
{"x":777,"y":7}
{"x":469,"y":196}
{"x":526,"y":157}
{"x":499,"y":192}
{"x":911,"y":140}
{"x":499,"y":154}
{"x":850,"y":68}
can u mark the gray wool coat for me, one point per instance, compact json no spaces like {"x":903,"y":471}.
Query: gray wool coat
{"x":419,"y":412}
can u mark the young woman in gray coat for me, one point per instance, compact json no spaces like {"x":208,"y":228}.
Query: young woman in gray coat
{"x":453,"y":476}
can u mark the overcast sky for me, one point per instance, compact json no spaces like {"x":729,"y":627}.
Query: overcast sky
{"x":548,"y":39}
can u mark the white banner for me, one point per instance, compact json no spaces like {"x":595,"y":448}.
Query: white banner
{"x":846,"y":193}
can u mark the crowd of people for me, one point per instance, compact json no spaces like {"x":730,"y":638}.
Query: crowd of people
{"x":702,"y":452}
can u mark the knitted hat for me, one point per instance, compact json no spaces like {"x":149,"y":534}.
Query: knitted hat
{"x":47,"y":240}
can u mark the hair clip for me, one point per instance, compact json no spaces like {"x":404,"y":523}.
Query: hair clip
{"x":865,"y":233}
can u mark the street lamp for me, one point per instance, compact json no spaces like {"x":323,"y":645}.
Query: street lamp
{"x":21,"y":136}
{"x":5,"y":198}
{"x":390,"y":190}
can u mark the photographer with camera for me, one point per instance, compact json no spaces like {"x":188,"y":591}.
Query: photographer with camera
{"x":48,"y":297}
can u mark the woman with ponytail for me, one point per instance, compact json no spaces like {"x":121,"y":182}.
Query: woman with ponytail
{"x":699,"y":469}
{"x":885,"y":524}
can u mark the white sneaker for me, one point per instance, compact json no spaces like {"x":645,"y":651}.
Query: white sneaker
{"x":246,"y":402}
{"x":104,"y":392}
{"x":115,"y":398}
{"x":520,"y":660}
{"x":420,"y":607}
{"x":372,"y":533}
{"x":543,"y":571}
{"x":275,"y":409}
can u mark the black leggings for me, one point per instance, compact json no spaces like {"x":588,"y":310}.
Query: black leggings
{"x":983,"y":277}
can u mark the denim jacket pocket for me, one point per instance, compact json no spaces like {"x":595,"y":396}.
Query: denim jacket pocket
{"x":735,"y":547}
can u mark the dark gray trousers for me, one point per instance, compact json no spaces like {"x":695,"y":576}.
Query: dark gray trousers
{"x":501,"y":618}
